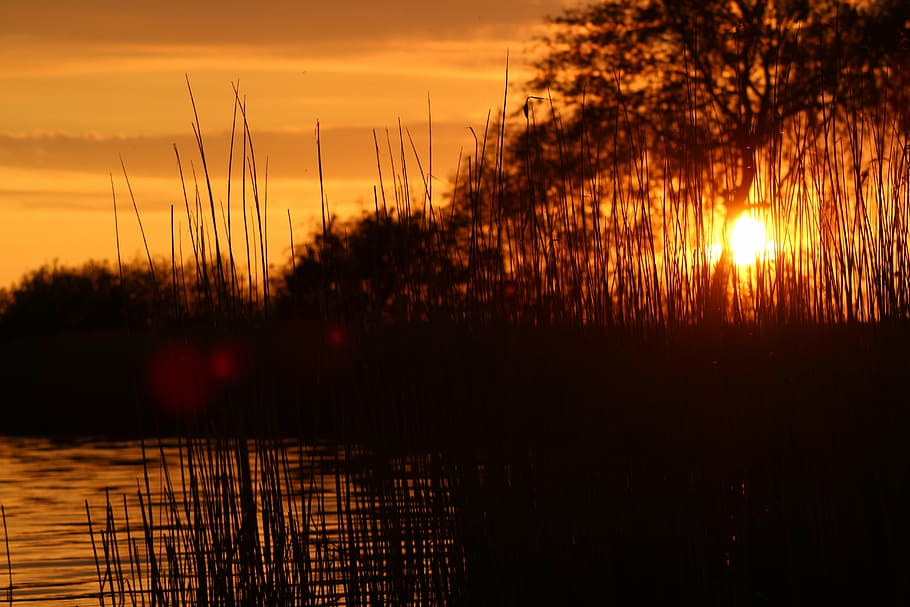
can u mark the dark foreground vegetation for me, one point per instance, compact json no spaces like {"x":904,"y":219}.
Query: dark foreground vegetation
{"x":560,"y":386}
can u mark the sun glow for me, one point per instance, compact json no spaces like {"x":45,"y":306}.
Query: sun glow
{"x":749,"y":242}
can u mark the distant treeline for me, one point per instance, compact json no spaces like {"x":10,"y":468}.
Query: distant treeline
{"x":371,"y":269}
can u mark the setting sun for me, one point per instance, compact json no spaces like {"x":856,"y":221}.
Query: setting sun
{"x":749,"y":242}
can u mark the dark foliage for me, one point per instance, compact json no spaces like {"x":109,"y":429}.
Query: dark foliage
{"x":59,"y":299}
{"x":380,"y":268}
{"x":702,"y":75}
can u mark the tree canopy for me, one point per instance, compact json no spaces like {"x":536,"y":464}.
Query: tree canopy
{"x":699,"y":74}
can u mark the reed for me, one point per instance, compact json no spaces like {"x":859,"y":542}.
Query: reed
{"x":601,"y":395}
{"x":9,"y":563}
{"x":555,"y":232}
{"x":264,"y":522}
{"x":548,"y":228}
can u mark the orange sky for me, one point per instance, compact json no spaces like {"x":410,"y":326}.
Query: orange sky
{"x":85,"y":83}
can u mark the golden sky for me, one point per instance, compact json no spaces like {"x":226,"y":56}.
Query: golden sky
{"x":86,"y":82}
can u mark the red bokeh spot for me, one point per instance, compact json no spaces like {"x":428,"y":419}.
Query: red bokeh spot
{"x":226,"y":363}
{"x":335,"y":336}
{"x":180,"y":379}
{"x":510,"y":290}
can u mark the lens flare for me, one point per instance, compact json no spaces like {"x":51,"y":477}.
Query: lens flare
{"x":227,"y":363}
{"x":179,"y":379}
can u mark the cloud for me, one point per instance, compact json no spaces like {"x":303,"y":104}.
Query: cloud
{"x":146,"y":92}
{"x":86,"y":82}
{"x":348,"y":152}
{"x":344,"y":23}
{"x":463,"y":59}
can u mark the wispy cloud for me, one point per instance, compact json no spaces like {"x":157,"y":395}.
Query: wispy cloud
{"x":461,"y":59}
{"x":147,"y":94}
{"x":330,"y":25}
{"x":348,"y":152}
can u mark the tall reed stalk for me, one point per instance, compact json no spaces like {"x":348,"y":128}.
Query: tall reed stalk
{"x":266,"y":522}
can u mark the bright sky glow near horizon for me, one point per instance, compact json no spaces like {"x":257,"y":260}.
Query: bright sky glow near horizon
{"x":86,"y":83}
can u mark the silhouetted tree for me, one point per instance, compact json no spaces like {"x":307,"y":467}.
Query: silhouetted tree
{"x":379,"y":268}
{"x":702,"y":74}
{"x":57,"y":299}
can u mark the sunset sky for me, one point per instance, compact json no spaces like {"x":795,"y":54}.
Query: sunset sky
{"x":88,"y":82}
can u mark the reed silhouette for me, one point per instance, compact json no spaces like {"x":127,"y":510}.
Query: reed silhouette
{"x":558,"y":385}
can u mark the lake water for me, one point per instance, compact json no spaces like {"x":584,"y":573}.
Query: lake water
{"x":621,"y":523}
{"x":44,"y":486}
{"x":391,"y":514}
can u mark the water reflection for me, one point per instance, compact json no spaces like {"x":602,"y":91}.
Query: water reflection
{"x":43,"y":486}
{"x":335,"y":524}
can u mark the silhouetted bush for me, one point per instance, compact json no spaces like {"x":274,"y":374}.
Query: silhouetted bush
{"x":379,"y":268}
{"x":57,"y":299}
